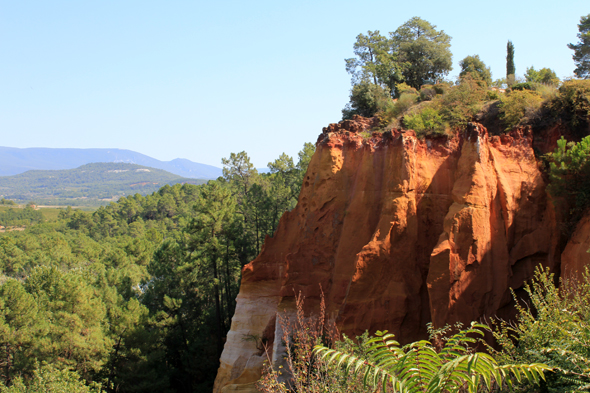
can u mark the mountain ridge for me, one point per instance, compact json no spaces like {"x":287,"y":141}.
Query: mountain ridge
{"x":14,"y":161}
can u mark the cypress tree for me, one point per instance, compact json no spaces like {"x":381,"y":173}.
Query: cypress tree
{"x":510,"y":69}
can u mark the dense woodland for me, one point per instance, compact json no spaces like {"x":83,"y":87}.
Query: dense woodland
{"x":138,"y":295}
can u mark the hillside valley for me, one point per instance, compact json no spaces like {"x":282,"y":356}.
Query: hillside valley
{"x":88,"y":185}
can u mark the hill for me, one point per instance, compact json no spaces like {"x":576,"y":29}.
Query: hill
{"x":93,"y":184}
{"x":14,"y":161}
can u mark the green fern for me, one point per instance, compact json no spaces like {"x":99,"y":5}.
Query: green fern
{"x":419,"y":367}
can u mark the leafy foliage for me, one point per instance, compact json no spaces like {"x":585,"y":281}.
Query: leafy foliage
{"x":415,"y":54}
{"x":427,"y":121}
{"x":582,"y":48}
{"x":420,"y":367}
{"x":518,"y":105}
{"x":461,"y":103}
{"x":423,"y":51}
{"x":572,"y":105}
{"x":366,"y":99}
{"x":48,"y":379}
{"x":554,"y":329}
{"x":474,"y":66}
{"x":544,"y":75}
{"x":569,"y":173}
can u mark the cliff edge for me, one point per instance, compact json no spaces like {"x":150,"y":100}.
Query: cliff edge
{"x":397,"y":232}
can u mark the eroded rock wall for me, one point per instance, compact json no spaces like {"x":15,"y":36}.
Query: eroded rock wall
{"x":397,"y":232}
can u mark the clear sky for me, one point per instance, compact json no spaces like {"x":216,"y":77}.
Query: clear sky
{"x":202,"y":79}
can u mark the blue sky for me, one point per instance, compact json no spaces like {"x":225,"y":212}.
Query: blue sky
{"x":199,"y":80}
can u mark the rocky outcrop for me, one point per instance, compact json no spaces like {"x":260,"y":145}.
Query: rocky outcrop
{"x":397,"y":232}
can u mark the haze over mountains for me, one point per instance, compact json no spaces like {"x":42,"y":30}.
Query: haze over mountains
{"x":14,"y":161}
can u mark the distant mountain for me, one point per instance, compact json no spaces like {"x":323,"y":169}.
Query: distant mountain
{"x":89,"y":184}
{"x":14,"y":161}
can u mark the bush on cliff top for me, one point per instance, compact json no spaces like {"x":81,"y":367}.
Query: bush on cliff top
{"x":519,"y":105}
{"x":572,"y":105}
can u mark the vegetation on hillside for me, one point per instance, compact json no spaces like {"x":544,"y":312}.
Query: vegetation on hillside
{"x":400,"y":80}
{"x":88,"y":184}
{"x":137,"y":296}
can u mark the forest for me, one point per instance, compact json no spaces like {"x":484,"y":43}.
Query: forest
{"x":137,"y":296}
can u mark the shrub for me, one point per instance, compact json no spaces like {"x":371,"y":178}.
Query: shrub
{"x":569,"y":175}
{"x":572,"y":103}
{"x":403,"y":88}
{"x":518,"y":105}
{"x":48,"y":379}
{"x":366,"y":99}
{"x":554,"y":329}
{"x":493,"y":95}
{"x":523,"y":86}
{"x":397,"y":108}
{"x":301,"y":371}
{"x":427,"y":93}
{"x":461,"y":103}
{"x":546,"y":91}
{"x":427,"y":121}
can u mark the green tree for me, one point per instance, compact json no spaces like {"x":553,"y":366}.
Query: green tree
{"x":477,"y":68}
{"x":581,"y":50}
{"x":75,"y":335}
{"x":544,"y":75}
{"x":510,"y":69}
{"x":368,"y":49}
{"x":18,"y":325}
{"x":215,"y":210}
{"x":423,"y":52}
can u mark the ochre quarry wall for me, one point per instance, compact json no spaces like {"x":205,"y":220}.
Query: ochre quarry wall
{"x":397,"y":232}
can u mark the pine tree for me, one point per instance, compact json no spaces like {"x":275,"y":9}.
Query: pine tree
{"x":582,"y":49}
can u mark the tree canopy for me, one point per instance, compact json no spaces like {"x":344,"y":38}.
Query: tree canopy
{"x":415,"y":54}
{"x":476,"y":67}
{"x":544,"y":75}
{"x":423,"y":52}
{"x":581,"y":50}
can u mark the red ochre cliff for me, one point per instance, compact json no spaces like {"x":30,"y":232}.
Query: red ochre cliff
{"x":398,"y":232}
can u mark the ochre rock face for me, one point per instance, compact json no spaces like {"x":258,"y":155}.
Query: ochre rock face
{"x":397,"y":232}
{"x":575,"y":257}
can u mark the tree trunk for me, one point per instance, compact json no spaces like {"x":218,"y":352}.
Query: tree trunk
{"x":217,"y":306}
